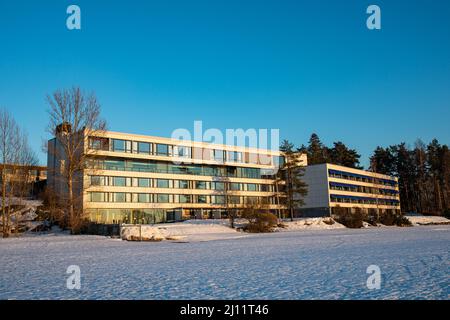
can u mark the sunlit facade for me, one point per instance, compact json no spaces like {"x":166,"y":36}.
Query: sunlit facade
{"x":142,"y":179}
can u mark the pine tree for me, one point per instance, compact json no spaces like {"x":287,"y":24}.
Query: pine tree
{"x":382,"y":161}
{"x":291,"y":173}
{"x":424,"y":174}
{"x":341,"y":155}
{"x":317,"y":152}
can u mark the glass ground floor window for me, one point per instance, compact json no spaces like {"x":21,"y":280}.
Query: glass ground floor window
{"x":118,"y":216}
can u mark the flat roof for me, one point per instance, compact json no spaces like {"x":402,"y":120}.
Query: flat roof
{"x":146,"y":138}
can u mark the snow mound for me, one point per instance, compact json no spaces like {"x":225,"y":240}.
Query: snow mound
{"x":190,"y":230}
{"x":418,"y":220}
{"x":311,"y":224}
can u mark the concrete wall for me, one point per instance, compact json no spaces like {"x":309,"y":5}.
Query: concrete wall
{"x":316,"y":178}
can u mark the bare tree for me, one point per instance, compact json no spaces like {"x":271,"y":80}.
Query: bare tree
{"x":74,"y":116}
{"x":16,"y":157}
{"x":8,"y":140}
{"x":22,"y":172}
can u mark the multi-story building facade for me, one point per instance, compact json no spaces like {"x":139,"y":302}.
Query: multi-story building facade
{"x":143,"y":179}
{"x":332,"y":186}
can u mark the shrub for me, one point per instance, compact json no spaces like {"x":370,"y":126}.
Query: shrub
{"x":260,"y":221}
{"x":388,"y":219}
{"x":447,"y":213}
{"x":394,"y":219}
{"x":402,"y":221}
{"x":349,"y":219}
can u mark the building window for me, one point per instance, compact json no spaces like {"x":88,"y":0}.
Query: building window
{"x":162,"y":198}
{"x":234,"y":156}
{"x":143,"y":182}
{"x":234,"y":199}
{"x":183,"y":184}
{"x":162,"y":149}
{"x":251,"y":200}
{"x":278,"y":161}
{"x":218,"y":185}
{"x":200,"y":184}
{"x":218,"y":155}
{"x":231,"y":171}
{"x":97,"y":181}
{"x":120,"y":181}
{"x":97,"y":197}
{"x":185,"y":198}
{"x":144,"y":197}
{"x":218,"y":199}
{"x":252,"y":187}
{"x":144,"y":147}
{"x":235,"y":186}
{"x":97,"y":143}
{"x":162,"y":183}
{"x":120,"y":197}
{"x":119,"y":145}
{"x":182,"y":151}
{"x":202,"y":199}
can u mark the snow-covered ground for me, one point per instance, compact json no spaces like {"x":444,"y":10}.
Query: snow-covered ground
{"x":424,"y":220}
{"x":311,"y":224}
{"x":219,"y":229}
{"x":311,"y":264}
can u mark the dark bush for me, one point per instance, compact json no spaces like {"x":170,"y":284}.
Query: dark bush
{"x":447,"y":213}
{"x":260,"y":222}
{"x":349,"y":219}
{"x":387,"y":218}
{"x":394,"y":219}
{"x":402,"y":221}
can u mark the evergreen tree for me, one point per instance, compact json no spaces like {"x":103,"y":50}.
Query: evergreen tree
{"x":382,"y":161}
{"x":317,"y":152}
{"x":423,"y":173}
{"x":343,"y":156}
{"x":291,"y":173}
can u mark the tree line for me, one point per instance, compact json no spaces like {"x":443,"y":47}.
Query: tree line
{"x":423,"y":170}
{"x":338,"y":154}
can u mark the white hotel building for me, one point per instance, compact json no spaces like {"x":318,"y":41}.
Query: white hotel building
{"x":332,"y":186}
{"x":143,"y":179}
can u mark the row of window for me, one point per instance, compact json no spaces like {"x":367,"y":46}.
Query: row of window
{"x":358,"y":177}
{"x":167,"y":150}
{"x":362,"y":189}
{"x":117,"y":216}
{"x":122,"y":197}
{"x":363,"y":200}
{"x":151,"y":216}
{"x":172,"y":168}
{"x":178,"y":184}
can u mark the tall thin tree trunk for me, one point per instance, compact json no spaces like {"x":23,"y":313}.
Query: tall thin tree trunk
{"x":71,"y":208}
{"x":5,"y":234}
{"x":438,"y":196}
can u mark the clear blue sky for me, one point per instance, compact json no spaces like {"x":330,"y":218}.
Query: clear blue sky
{"x":300,"y":66}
